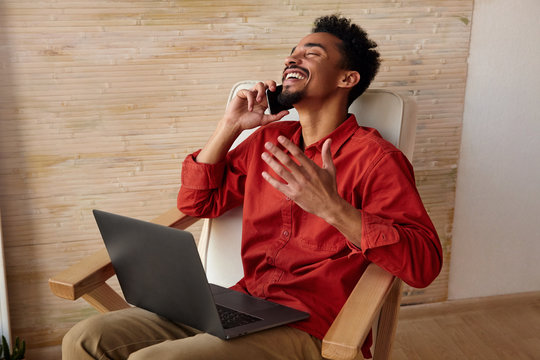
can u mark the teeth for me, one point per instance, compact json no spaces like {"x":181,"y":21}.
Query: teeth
{"x":295,"y":75}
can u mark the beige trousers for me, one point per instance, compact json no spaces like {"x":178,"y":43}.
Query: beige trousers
{"x":138,"y":334}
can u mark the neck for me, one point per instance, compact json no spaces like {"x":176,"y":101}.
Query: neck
{"x":318,"y":120}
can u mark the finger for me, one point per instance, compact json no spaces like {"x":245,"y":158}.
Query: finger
{"x":247,"y":95}
{"x":296,"y":152}
{"x":284,"y":158}
{"x":278,"y":168}
{"x":328,"y":162}
{"x":278,"y":185}
{"x":260,"y":88}
{"x":271,"y":84}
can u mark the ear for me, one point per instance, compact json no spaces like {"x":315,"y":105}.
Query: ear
{"x":349,"y":79}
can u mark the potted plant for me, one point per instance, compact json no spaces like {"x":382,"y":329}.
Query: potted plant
{"x":18,"y":350}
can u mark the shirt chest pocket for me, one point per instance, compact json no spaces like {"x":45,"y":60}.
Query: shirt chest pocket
{"x":318,"y":235}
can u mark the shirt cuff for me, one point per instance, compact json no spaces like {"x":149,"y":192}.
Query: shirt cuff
{"x":377,"y":232}
{"x":200,"y":176}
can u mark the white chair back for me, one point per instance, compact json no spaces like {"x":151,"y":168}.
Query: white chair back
{"x":219,"y":245}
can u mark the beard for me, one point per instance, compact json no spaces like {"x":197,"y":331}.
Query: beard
{"x":288,"y":98}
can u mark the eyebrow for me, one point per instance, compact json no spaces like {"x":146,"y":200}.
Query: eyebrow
{"x":311,"y":45}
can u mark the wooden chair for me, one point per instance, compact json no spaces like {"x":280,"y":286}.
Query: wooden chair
{"x":374,"y":302}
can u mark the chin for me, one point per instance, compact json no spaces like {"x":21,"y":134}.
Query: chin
{"x":289,"y":98}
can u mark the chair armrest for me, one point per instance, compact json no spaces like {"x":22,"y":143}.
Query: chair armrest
{"x":91,"y":272}
{"x":82,"y":277}
{"x":349,"y":330}
{"x":176,"y":219}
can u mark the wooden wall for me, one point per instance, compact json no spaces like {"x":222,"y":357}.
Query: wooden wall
{"x":101,"y":100}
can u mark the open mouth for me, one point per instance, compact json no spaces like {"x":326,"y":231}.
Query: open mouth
{"x":295,"y":73}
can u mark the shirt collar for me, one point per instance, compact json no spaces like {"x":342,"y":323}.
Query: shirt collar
{"x":339,"y":136}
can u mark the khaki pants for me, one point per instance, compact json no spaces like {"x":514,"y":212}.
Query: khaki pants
{"x":138,"y":334}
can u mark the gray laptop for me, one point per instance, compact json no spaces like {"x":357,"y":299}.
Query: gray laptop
{"x":159,"y":269}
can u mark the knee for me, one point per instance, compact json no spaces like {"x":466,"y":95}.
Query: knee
{"x":139,"y":355}
{"x":152,"y":352}
{"x":82,"y":340}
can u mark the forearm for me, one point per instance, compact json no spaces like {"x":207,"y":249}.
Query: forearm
{"x":219,"y":143}
{"x":412,"y":252}
{"x":345,"y":218}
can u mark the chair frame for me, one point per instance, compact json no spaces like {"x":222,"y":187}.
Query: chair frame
{"x":376,"y":292}
{"x":373,"y":303}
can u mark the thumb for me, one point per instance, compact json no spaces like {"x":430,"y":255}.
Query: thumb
{"x":267,"y":119}
{"x":328,"y":163}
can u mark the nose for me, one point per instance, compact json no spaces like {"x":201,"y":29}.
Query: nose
{"x":292,"y":60}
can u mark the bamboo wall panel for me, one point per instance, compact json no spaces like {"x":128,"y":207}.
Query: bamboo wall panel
{"x":101,"y":100}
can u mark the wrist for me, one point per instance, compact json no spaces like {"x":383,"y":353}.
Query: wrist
{"x":219,"y":143}
{"x":337,"y":211}
{"x":348,"y":220}
{"x":228,"y":128}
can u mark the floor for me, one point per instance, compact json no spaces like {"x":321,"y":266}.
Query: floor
{"x":501,"y":327}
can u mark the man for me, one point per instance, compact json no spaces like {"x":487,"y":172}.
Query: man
{"x":322,"y":198}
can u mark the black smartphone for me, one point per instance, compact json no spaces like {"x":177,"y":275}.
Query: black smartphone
{"x":273,"y":102}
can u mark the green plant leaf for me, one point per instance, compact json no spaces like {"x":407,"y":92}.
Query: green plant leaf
{"x":7,"y":352}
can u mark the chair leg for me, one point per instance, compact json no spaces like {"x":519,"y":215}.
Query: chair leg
{"x":387,"y":323}
{"x":105,"y":299}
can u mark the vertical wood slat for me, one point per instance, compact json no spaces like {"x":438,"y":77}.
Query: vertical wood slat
{"x":387,"y":323}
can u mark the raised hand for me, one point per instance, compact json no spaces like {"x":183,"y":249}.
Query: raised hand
{"x":246,"y":109}
{"x":312,"y":187}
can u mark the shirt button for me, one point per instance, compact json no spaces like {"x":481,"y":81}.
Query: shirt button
{"x":285,"y":233}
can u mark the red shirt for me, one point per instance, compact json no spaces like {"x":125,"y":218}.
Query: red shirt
{"x":297,"y":259}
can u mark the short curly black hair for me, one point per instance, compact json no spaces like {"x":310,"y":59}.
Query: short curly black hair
{"x":358,"y":50}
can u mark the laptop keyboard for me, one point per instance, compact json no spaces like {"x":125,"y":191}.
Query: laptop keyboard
{"x":231,"y":318}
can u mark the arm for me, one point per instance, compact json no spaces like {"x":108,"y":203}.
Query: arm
{"x":212,"y":179}
{"x":400,"y":236}
{"x":392,"y":229}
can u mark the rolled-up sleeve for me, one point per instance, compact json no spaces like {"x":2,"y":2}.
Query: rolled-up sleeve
{"x":397,"y":233}
{"x":199,"y":176}
{"x":209,"y":190}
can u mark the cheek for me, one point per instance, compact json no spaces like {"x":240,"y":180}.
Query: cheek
{"x":328,"y":73}
{"x":327,"y":80}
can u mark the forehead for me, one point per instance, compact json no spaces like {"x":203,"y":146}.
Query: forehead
{"x":327,"y":41}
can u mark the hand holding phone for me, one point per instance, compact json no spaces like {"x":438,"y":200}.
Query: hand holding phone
{"x":274,"y":104}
